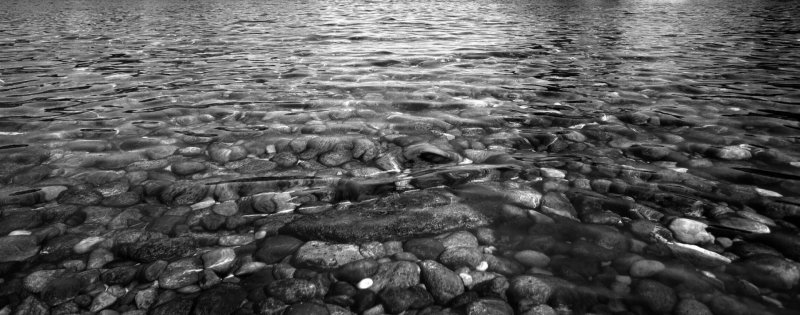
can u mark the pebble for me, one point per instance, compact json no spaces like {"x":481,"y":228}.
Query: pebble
{"x":532,"y":258}
{"x":292,"y":290}
{"x":690,"y":231}
{"x":656,"y":296}
{"x":365,"y":283}
{"x":18,"y":247}
{"x":220,"y":259}
{"x":87,"y":244}
{"x":440,"y":281}
{"x":646,"y":268}
{"x":316,"y":254}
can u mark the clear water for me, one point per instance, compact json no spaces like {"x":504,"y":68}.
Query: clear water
{"x":712,"y":73}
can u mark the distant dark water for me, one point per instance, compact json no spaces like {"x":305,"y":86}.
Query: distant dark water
{"x":691,"y":108}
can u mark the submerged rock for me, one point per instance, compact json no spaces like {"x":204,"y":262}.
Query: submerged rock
{"x":393,"y":217}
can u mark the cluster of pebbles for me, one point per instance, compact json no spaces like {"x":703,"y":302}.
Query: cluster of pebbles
{"x":459,"y":210}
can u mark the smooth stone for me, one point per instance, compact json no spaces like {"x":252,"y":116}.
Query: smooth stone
{"x":656,"y":296}
{"x":441,"y":282}
{"x":292,"y":290}
{"x":180,"y":273}
{"x":396,"y":300}
{"x":533,"y":289}
{"x":18,"y":247}
{"x":727,"y":305}
{"x":61,"y":290}
{"x":187,"y":168}
{"x":223,"y":299}
{"x":120,"y":275}
{"x":146,"y":298}
{"x":356,"y":271}
{"x":734,"y":153}
{"x":697,"y":255}
{"x":690,"y":231}
{"x":102,"y":300}
{"x":38,"y":280}
{"x":552,"y":172}
{"x":401,"y":274}
{"x":176,"y":306}
{"x":307,"y":308}
{"x":460,"y":239}
{"x":19,"y":221}
{"x":558,"y":204}
{"x":646,"y":268}
{"x":226,"y":209}
{"x":220,"y":259}
{"x":424,"y":248}
{"x":489,"y":307}
{"x":456,"y":257}
{"x":691,"y":307}
{"x":99,"y":258}
{"x":400,"y":216}
{"x":743,"y":224}
{"x":323,"y":255}
{"x":153,"y":271}
{"x":532,"y":258}
{"x":769,"y":271}
{"x":87,"y":244}
{"x":273,"y":249}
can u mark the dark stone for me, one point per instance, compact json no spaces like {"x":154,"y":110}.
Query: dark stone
{"x":19,"y":221}
{"x":270,"y":306}
{"x":397,"y":216}
{"x":157,"y":249}
{"x":221,"y":299}
{"x":363,"y":300}
{"x":152,"y":271}
{"x":443,"y":283}
{"x":457,"y":257}
{"x":183,"y":193}
{"x":356,"y":270}
{"x":276,"y":248}
{"x":306,"y":309}
{"x":787,"y":244}
{"x":489,"y":307}
{"x":187,"y":168}
{"x":80,"y":196}
{"x":120,"y":275}
{"x":61,"y":290}
{"x":292,"y":290}
{"x":18,"y":247}
{"x":424,"y":248}
{"x":165,"y":224}
{"x":32,"y":306}
{"x":420,"y":297}
{"x":177,"y":306}
{"x":656,"y":296}
{"x":212,"y":221}
{"x":396,"y":300}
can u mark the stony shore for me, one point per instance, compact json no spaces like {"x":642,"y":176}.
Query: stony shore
{"x":472,"y":211}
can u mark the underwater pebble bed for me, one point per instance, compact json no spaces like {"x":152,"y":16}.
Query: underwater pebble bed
{"x":359,"y":175}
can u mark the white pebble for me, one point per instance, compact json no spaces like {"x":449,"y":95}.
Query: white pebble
{"x":205,"y":203}
{"x":767,"y":193}
{"x":482,"y":266}
{"x":87,"y":244}
{"x":260,"y":234}
{"x":364,"y":283}
{"x":271,"y":149}
{"x":19,"y":232}
{"x":466,"y":278}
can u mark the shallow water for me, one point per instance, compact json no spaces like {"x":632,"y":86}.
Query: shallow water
{"x":686,"y":109}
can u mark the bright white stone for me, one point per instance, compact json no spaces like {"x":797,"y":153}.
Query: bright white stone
{"x":364,"y":283}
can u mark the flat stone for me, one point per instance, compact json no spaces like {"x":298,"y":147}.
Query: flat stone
{"x":324,"y":255}
{"x":18,"y":247}
{"x":395,"y":217}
